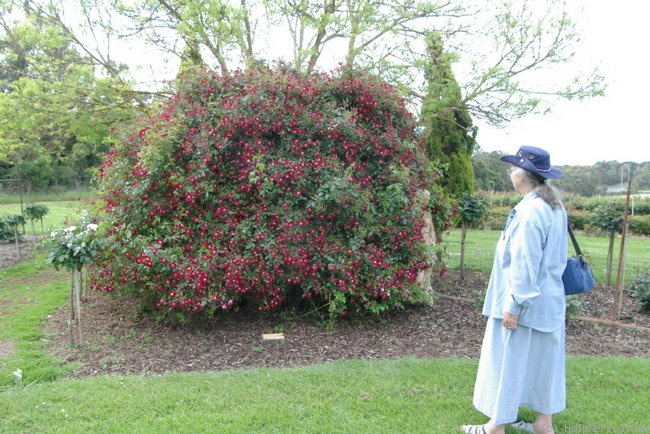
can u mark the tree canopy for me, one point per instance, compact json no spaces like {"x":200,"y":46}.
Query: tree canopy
{"x":55,"y":109}
{"x":70,"y":72}
{"x":450,"y":135}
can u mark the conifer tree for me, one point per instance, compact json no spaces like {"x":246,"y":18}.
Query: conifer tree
{"x":450,"y":134}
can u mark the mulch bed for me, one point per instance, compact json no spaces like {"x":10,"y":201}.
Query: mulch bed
{"x":118,"y":340}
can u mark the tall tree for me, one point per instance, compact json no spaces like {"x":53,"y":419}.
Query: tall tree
{"x":502,"y":45}
{"x":213,"y":33}
{"x":55,"y":114}
{"x":450,"y":135}
{"x":510,"y":49}
{"x":489,"y":173}
{"x":497,"y":80}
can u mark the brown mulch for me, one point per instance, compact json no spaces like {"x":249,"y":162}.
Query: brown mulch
{"x":118,"y":340}
{"x":9,"y":252}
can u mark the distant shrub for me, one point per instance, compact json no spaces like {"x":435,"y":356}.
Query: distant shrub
{"x":35,"y":212}
{"x":639,"y":225}
{"x":640,"y":204}
{"x":495,"y":219}
{"x":6,"y":231}
{"x":11,"y":228}
{"x":579,"y":220}
{"x":639,"y":287}
{"x":507,"y":200}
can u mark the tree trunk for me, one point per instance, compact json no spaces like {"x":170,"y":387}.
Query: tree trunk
{"x":33,"y":232}
{"x":20,"y":253}
{"x":610,"y":258}
{"x":618,"y":291}
{"x":463,"y":233}
{"x":77,"y":291}
{"x":71,"y":311}
{"x":75,"y":306}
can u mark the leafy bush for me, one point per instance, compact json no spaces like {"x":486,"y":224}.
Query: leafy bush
{"x":472,"y":210}
{"x":573,"y":305}
{"x":267,"y":189}
{"x":35,"y":211}
{"x":580,"y":220}
{"x":639,"y":225}
{"x":10,"y":228}
{"x":442,"y":210}
{"x":75,"y":246}
{"x":640,"y":287}
{"x":6,"y":231}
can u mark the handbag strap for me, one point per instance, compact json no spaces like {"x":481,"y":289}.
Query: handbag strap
{"x":574,"y":241}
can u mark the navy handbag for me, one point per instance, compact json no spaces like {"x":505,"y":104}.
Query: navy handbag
{"x":578,"y":277}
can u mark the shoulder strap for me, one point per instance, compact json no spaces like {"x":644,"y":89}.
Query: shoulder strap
{"x":574,"y":241}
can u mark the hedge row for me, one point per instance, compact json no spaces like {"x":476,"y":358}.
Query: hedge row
{"x":579,"y":219}
{"x":639,"y":205}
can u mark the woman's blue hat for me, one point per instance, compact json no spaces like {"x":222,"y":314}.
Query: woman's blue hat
{"x":535,"y":160}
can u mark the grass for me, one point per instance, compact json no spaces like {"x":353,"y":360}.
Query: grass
{"x":25,"y":303}
{"x":59,"y":212}
{"x":387,"y":396}
{"x":480,"y":244}
{"x":63,"y":207}
{"x":61,"y":196}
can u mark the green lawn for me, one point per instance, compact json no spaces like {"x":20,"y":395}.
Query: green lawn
{"x":59,"y":214}
{"x":480,"y":244}
{"x":387,"y":396}
{"x":25,"y":303}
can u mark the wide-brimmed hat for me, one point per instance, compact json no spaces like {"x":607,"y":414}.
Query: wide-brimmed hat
{"x":535,"y":160}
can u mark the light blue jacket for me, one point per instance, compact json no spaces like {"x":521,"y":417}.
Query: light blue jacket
{"x":530,"y":258}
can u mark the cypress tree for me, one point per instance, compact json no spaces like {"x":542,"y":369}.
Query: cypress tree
{"x":450,"y":134}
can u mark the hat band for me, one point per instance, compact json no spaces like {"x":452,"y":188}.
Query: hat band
{"x":536,"y":168}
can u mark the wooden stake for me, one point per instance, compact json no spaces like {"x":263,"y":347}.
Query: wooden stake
{"x":71,"y":311}
{"x":618,"y":290}
{"x":77,"y":286}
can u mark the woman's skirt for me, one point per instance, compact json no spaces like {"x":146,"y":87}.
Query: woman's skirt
{"x":520,"y":368}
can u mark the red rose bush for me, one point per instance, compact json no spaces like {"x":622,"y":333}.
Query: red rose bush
{"x":268,"y":189}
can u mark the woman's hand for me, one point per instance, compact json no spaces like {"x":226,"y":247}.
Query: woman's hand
{"x":509,"y":320}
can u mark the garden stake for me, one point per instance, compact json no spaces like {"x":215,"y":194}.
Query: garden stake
{"x":77,"y":283}
{"x":71,"y":311}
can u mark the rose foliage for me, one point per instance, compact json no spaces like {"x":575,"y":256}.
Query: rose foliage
{"x":74,"y":247}
{"x":267,"y":189}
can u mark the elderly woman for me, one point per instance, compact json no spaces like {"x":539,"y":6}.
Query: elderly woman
{"x":522,"y":361}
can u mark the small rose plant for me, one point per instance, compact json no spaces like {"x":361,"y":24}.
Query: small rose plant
{"x":74,"y":247}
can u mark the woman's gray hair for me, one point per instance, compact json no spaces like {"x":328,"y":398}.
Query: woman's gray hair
{"x":541,"y":186}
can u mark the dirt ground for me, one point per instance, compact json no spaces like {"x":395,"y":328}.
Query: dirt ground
{"x":117,"y":340}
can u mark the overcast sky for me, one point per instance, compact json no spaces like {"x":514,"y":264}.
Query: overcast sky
{"x":610,"y":128}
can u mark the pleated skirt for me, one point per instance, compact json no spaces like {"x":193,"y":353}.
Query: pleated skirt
{"x":520,"y":368}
